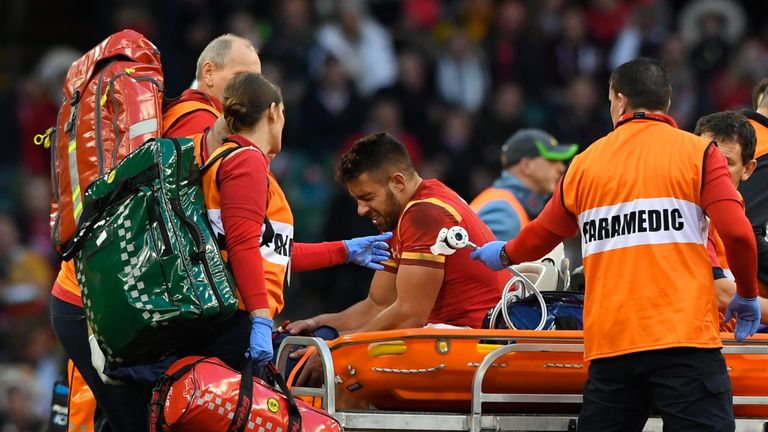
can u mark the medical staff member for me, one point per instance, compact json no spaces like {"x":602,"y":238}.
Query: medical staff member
{"x":639,"y":197}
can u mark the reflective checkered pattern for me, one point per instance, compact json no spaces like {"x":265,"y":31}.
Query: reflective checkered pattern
{"x":133,"y":288}
{"x":226,"y":409}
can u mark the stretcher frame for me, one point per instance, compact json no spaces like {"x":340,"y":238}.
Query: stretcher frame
{"x":477,"y":420}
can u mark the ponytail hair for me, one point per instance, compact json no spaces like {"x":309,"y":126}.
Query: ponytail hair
{"x":247,"y":96}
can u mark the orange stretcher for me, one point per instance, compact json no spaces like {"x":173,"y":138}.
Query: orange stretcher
{"x":477,"y":376}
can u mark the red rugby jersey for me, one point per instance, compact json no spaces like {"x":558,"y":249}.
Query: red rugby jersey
{"x":469,"y":288}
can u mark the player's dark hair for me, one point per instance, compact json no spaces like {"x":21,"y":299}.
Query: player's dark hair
{"x":379,"y":154}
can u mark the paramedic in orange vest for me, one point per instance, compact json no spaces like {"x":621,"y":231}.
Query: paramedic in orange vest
{"x":198,"y":108}
{"x":190,"y":114}
{"x":639,"y":197}
{"x":253,"y":221}
{"x":735,"y":138}
{"x":532,"y":163}
{"x":754,"y":190}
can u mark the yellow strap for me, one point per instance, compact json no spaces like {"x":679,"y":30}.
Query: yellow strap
{"x":447,"y":207}
{"x":423,"y":256}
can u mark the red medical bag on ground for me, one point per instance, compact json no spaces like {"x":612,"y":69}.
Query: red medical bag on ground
{"x":202,"y":394}
{"x":113,"y":101}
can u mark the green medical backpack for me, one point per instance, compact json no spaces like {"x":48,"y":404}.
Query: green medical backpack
{"x":152,"y":276}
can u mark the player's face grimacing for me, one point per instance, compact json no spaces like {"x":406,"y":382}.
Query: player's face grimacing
{"x":375,"y":200}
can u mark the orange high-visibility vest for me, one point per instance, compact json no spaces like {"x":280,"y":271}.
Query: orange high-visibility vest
{"x":761,"y":132}
{"x":637,"y":195}
{"x":174,"y":113}
{"x":276,"y":255}
{"x":67,"y":278}
{"x":499,"y":194}
{"x":82,"y":404}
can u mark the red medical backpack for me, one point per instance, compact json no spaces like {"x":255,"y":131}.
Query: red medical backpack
{"x":113,"y":101}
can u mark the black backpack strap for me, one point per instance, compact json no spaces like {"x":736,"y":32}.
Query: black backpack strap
{"x":160,"y":394}
{"x":294,"y":416}
{"x":207,"y":165}
{"x":94,"y":209}
{"x":244,"y":400}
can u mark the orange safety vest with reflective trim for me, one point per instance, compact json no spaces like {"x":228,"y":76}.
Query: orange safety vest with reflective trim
{"x":174,"y":113}
{"x":82,"y":403}
{"x":67,"y":279}
{"x":498,"y":194}
{"x":637,"y":196}
{"x":277,"y":231}
{"x":761,"y":133}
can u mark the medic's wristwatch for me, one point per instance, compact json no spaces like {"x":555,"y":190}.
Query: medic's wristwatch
{"x":505,"y":258}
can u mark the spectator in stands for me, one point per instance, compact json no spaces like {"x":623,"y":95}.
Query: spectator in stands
{"x":574,"y":53}
{"x":674,"y":55}
{"x":414,"y":92}
{"x":462,"y":77}
{"x":384,"y":115}
{"x":38,"y":104}
{"x":510,"y":49}
{"x":25,"y":275}
{"x":532,"y":162}
{"x":502,"y":116}
{"x":581,"y":119}
{"x":362,"y":46}
{"x":332,"y":108}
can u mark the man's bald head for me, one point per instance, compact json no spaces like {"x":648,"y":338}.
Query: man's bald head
{"x":223,"y":58}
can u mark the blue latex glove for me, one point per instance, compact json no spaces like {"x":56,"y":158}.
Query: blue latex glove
{"x":261,"y":340}
{"x":489,"y":254}
{"x":368,"y":251}
{"x":747,"y":311}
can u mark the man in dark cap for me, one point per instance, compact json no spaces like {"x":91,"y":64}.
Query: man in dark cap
{"x":532,"y":162}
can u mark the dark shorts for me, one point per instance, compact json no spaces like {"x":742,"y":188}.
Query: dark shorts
{"x":688,"y":387}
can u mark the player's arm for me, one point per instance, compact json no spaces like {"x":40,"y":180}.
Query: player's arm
{"x":417,"y":289}
{"x":420,"y":272}
{"x":382,"y":294}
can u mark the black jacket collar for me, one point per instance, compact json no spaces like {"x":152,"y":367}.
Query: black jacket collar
{"x":756,"y":116}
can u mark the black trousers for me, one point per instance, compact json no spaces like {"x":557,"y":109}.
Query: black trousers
{"x":124,"y":406}
{"x":688,"y":387}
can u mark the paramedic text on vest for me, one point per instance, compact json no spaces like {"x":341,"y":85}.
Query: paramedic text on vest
{"x":640,"y":195}
{"x":532,"y":162}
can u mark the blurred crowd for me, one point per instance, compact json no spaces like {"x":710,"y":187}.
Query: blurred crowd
{"x":452,"y":79}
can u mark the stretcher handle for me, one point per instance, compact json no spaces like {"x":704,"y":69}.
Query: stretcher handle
{"x":329,"y":384}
